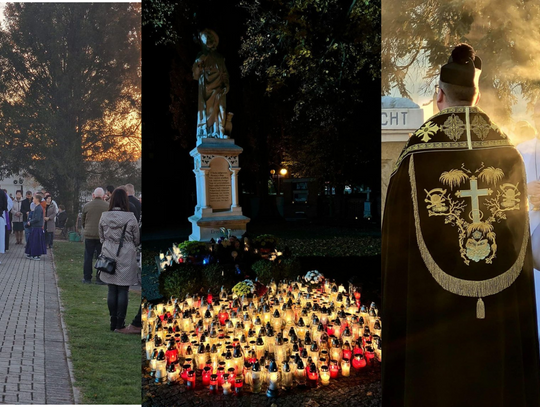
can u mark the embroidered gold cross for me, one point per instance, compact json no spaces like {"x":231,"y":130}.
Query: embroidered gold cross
{"x":474,"y":193}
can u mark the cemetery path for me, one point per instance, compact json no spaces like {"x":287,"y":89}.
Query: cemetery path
{"x":34,"y":366}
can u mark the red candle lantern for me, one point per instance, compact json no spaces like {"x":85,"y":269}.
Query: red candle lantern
{"x":312,"y":373}
{"x":334,"y":369}
{"x":185,"y":369}
{"x":330,"y":329}
{"x":213,"y":384}
{"x":370,"y":354}
{"x":172,"y":352}
{"x":220,"y":374}
{"x":232,"y":376}
{"x":191,"y":380}
{"x":359,"y":361}
{"x":223,"y":316}
{"x":239,"y":385}
{"x":347,"y":352}
{"x":206,"y":375}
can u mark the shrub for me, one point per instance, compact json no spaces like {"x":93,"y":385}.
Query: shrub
{"x":192,"y":248}
{"x":264,"y":270}
{"x":180,"y":280}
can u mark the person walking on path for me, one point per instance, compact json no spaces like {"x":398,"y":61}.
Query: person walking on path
{"x":50,"y":215}
{"x":91,"y":214}
{"x":17,"y":217}
{"x":119,"y":234}
{"x":36,"y":245}
{"x":8,"y":221}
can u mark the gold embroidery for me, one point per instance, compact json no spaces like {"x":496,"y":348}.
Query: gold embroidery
{"x":453,"y":127}
{"x":458,"y":286}
{"x":426,"y":131}
{"x":477,"y":240}
{"x":448,"y":145}
{"x":480,"y":127}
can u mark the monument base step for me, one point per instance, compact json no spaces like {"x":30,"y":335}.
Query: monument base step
{"x":205,"y":229}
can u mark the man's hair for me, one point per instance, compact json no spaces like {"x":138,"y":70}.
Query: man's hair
{"x":39,"y":196}
{"x":62,"y":207}
{"x":98,"y":192}
{"x":459,"y":95}
{"x":17,"y":191}
{"x":122,"y":187}
{"x":28,"y":193}
{"x":130,"y":189}
{"x":109,"y":188}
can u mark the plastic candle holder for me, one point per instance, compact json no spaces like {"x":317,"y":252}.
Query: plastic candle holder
{"x":226,"y":384}
{"x":206,"y":375}
{"x":213,"y":384}
{"x":359,"y":361}
{"x":190,"y":380}
{"x":345,"y":367}
{"x":325,"y":375}
{"x":334,"y":369}
{"x":238,"y":385}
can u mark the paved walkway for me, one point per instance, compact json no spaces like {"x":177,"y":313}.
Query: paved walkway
{"x":33,"y":362}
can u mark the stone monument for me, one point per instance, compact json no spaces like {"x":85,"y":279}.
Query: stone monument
{"x":216,"y":156}
{"x":399,"y":118}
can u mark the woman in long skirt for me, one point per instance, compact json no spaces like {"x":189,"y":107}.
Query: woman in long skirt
{"x":37,"y":244}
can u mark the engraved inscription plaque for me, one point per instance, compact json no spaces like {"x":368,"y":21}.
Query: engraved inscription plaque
{"x":219,"y":184}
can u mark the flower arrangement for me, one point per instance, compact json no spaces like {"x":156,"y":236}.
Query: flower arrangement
{"x":314,"y":277}
{"x":243,"y":288}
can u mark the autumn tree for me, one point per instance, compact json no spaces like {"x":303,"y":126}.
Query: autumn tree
{"x":70,"y":93}
{"x":505,"y":33}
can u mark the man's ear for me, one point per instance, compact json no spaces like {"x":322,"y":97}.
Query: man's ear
{"x":440,"y":96}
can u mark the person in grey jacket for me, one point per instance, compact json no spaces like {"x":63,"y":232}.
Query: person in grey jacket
{"x":123,"y":251}
{"x":50,"y":217}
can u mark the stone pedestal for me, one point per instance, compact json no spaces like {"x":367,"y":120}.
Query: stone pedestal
{"x":216,"y":172}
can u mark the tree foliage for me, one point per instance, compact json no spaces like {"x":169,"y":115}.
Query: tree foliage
{"x":321,"y":60}
{"x":69,"y":92}
{"x":505,"y":33}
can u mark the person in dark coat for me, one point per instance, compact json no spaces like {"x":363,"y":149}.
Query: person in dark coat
{"x":36,"y":245}
{"x":25,"y":209}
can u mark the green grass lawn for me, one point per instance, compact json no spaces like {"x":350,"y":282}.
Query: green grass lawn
{"x":107,"y":365}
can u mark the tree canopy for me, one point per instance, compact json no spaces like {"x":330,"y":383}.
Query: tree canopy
{"x":70,"y":93}
{"x":505,"y":34}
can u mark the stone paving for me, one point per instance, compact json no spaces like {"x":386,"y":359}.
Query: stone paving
{"x":361,"y":389}
{"x":33,"y":363}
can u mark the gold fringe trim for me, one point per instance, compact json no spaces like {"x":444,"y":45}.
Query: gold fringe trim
{"x":480,"y":309}
{"x":458,"y":286}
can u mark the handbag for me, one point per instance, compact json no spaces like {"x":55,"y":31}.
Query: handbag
{"x":106,"y":264}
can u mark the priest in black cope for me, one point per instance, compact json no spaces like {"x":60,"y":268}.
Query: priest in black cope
{"x":458,"y":291}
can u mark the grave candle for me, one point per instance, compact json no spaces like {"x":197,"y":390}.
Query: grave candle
{"x":213,"y":384}
{"x":239,"y":385}
{"x":191,"y":380}
{"x":161,"y":367}
{"x":334,"y":369}
{"x":325,"y":375}
{"x":256,"y":378}
{"x":273,"y":378}
{"x":313,"y":375}
{"x":347,"y":352}
{"x":345,"y":367}
{"x":300,"y":374}
{"x":172,"y":373}
{"x":226,"y":384}
{"x":286,"y":376}
{"x":359,"y":361}
{"x":206,"y":375}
